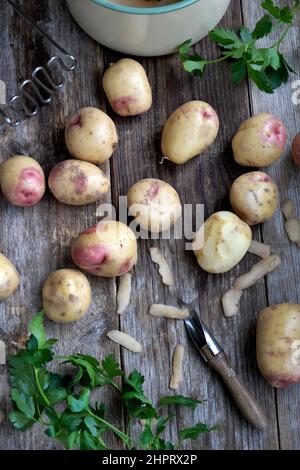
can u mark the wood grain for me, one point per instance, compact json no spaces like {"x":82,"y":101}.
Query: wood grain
{"x":38,"y":239}
{"x":283,"y":286}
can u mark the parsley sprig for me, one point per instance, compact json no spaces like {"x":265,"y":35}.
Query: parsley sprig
{"x":63,"y":404}
{"x":265,"y":66}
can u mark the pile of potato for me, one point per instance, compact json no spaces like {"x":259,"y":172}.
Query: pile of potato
{"x":110,"y":248}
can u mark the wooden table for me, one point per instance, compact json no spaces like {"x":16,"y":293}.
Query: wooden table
{"x":38,"y":239}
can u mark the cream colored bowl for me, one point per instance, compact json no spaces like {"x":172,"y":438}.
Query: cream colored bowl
{"x":147,"y":31}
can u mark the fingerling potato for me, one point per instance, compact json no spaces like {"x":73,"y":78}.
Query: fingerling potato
{"x":260,"y":141}
{"x":9,"y":278}
{"x":108,"y":249}
{"x":154,"y":204}
{"x":66,"y":295}
{"x":254,"y":197}
{"x":226,"y":239}
{"x":77,"y":183}
{"x":22,"y":181}
{"x":189,"y":131}
{"x":91,"y":135}
{"x":127,"y":88}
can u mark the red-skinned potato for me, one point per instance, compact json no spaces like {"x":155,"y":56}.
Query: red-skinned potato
{"x":278,"y":344}
{"x":296,"y":149}
{"x":154,"y":204}
{"x":127,"y":88}
{"x":108,"y":249}
{"x":66,"y":295}
{"x":9,"y":278}
{"x":254,"y":197}
{"x":260,"y":141}
{"x":226,"y":240}
{"x":189,"y":131}
{"x":22,"y":181}
{"x":91,"y":135}
{"x":77,"y":183}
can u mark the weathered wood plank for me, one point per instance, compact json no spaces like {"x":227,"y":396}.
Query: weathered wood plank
{"x":37,"y":239}
{"x":204,"y":180}
{"x":283,"y":286}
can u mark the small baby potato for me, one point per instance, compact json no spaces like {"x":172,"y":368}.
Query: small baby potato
{"x":77,"y":183}
{"x":108,"y":249}
{"x":22,"y":181}
{"x":254,"y":197}
{"x":226,"y":241}
{"x":127,"y":88}
{"x":9,"y":278}
{"x":260,"y":141}
{"x":296,"y":149}
{"x":66,"y":295}
{"x":154,"y":204}
{"x":91,"y":136}
{"x":189,"y":131}
{"x":278,"y":344}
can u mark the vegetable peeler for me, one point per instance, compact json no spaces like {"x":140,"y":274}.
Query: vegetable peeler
{"x":215,"y":357}
{"x":39,"y":89}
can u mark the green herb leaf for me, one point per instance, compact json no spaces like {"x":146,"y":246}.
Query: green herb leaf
{"x":238,"y":71}
{"x":225,"y":37}
{"x":284,"y":14}
{"x":179,"y":400}
{"x":111,"y":366}
{"x":246,"y":35}
{"x":263,"y":27}
{"x":20,"y":420}
{"x":185,"y":47}
{"x":194,"y":432}
{"x":146,"y":436}
{"x":261,"y":79}
{"x":81,"y":403}
{"x":24,"y":402}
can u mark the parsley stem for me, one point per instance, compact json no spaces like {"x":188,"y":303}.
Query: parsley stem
{"x":36,"y":375}
{"x":215,"y":61}
{"x":277,"y":43}
{"x":127,"y":439}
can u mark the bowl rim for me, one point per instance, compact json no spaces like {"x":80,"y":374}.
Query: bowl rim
{"x":179,"y":5}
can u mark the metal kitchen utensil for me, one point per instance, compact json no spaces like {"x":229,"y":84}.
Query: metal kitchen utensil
{"x":40,"y":84}
{"x":217,"y":360}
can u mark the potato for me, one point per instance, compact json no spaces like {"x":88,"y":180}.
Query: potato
{"x":9,"y":278}
{"x":77,"y":183}
{"x":296,"y":149}
{"x":108,"y":249}
{"x":260,"y":141}
{"x":278,"y":344}
{"x":66,"y":295}
{"x":189,"y":131}
{"x":226,"y":241}
{"x":22,"y":181}
{"x":154,"y":204}
{"x":91,"y":136}
{"x":127,"y":88}
{"x":254,"y":197}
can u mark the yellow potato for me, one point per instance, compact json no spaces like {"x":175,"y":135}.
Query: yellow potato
{"x":9,"y":278}
{"x":66,"y":295}
{"x":91,"y":136}
{"x":77,"y":183}
{"x":260,"y":141}
{"x":22,"y":181}
{"x":108,"y":249}
{"x":189,"y":131}
{"x":226,"y":241}
{"x":154,"y":204}
{"x":278,"y":344}
{"x":254,"y":197}
{"x":127,"y":88}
